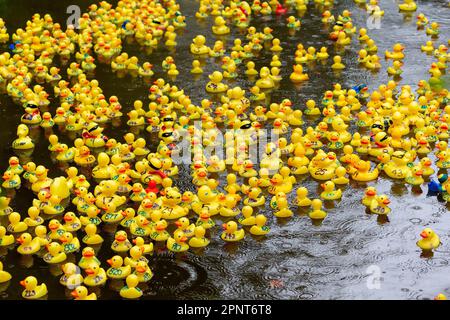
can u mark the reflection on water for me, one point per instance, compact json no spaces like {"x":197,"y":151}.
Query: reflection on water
{"x":298,"y":259}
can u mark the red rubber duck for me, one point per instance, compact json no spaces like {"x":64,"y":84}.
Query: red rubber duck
{"x":280,"y":9}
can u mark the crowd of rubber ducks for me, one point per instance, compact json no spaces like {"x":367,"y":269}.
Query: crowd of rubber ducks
{"x":131,"y":190}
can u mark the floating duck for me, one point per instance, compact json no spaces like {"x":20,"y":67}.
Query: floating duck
{"x":260,"y":229}
{"x":379,"y":205}
{"x":337,"y":64}
{"x":55,"y":253}
{"x":130,"y":290}
{"x":32,"y":289}
{"x":408,"y":5}
{"x":5,"y":240}
{"x":317,"y":213}
{"x":330,"y":193}
{"x":71,"y":277}
{"x":231,"y":232}
{"x":121,"y":242}
{"x":91,"y":237}
{"x":69,"y":243}
{"x":81,"y":293}
{"x":430,"y":240}
{"x":96,"y":276}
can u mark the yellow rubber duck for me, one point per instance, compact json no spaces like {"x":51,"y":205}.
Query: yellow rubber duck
{"x":379,"y":205}
{"x":260,"y":229}
{"x":91,"y":237}
{"x":317,"y":213}
{"x":220,"y":27}
{"x":415,"y":178}
{"x":265,"y":81}
{"x":425,"y":166}
{"x":88,"y":258}
{"x":196,"y":68}
{"x":96,"y":276}
{"x":5,"y":240}
{"x":362,"y":171}
{"x":251,"y":71}
{"x":323,"y":166}
{"x":117,"y":269}
{"x":177,"y":243}
{"x":146,"y":248}
{"x":297,"y":75}
{"x":23,"y":141}
{"x":69,"y":243}
{"x":428,"y":47}
{"x":430,"y":240}
{"x":397,"y":168}
{"x":433,"y":30}
{"x":199,"y":240}
{"x":198,"y":45}
{"x":4,"y":275}
{"x":81,"y":293}
{"x":395,"y":70}
{"x":55,"y":253}
{"x":440,"y":296}
{"x":121,"y":242}
{"x":130,"y":290}
{"x":143,"y":271}
{"x":337,"y":65}
{"x":136,"y":255}
{"x":369,"y":195}
{"x":330,"y":193}
{"x":32,"y":289}
{"x":397,"y":53}
{"x":215,"y":85}
{"x":422,"y":21}
{"x":159,"y":232}
{"x":408,"y":5}
{"x":15,"y":224}
{"x":282,"y":206}
{"x":140,"y":227}
{"x":231,"y":232}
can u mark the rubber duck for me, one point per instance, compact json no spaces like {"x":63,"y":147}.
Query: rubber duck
{"x":177,"y":243}
{"x":293,"y":23}
{"x":33,"y":218}
{"x":117,"y":269}
{"x":297,"y":75}
{"x":337,"y":65}
{"x":15,"y":225}
{"x":422,"y":21}
{"x":397,"y":53}
{"x":415,"y":178}
{"x":5,"y":240}
{"x":276,"y":45}
{"x":11,"y":180}
{"x":231,"y":232}
{"x":408,"y":5}
{"x":140,"y":227}
{"x":433,"y":30}
{"x":55,"y":253}
{"x":220,"y":27}
{"x":28,"y":245}
{"x":130,"y":290}
{"x":430,"y":240}
{"x":198,"y":45}
{"x":425,"y":166}
{"x":121,"y":242}
{"x":440,"y":296}
{"x":96,"y":276}
{"x":395,"y":70}
{"x":362,"y":171}
{"x":330,"y":193}
{"x":198,"y":240}
{"x":32,"y":289}
{"x":322,"y":166}
{"x":316,"y":212}
{"x":215,"y":85}
{"x":322,"y":54}
{"x":69,"y":242}
{"x":92,"y":237}
{"x":428,"y":47}
{"x":369,"y":194}
{"x":88,"y":258}
{"x":379,"y":205}
{"x":397,"y":168}
{"x":23,"y":141}
{"x":81,"y":293}
{"x":260,"y":229}
{"x":282,"y":206}
{"x":342,"y":39}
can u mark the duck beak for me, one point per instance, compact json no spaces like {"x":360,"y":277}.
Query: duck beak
{"x":109,"y":262}
{"x":424,"y":235}
{"x":90,"y":271}
{"x":184,"y":239}
{"x":224,"y":226}
{"x":387,"y":201}
{"x":22,"y":283}
{"x":178,"y":223}
{"x":74,"y":294}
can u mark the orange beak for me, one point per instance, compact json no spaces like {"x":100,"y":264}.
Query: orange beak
{"x":424,"y":235}
{"x":109,"y":262}
{"x":178,"y":223}
{"x":19,"y":240}
{"x":22,"y":283}
{"x":224,"y":226}
{"x":184,"y":239}
{"x":370,"y":193}
{"x":121,"y":238}
{"x":90,"y":271}
{"x":387,"y":201}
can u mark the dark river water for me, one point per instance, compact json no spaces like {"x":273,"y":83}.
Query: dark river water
{"x":297,"y":260}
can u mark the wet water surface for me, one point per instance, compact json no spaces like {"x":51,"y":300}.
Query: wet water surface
{"x":297,"y":260}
